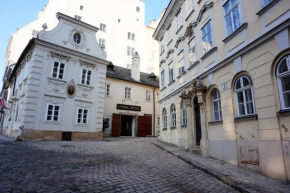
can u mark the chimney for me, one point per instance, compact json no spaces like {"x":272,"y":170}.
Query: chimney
{"x":135,"y":69}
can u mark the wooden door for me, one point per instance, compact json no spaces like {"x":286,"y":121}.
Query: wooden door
{"x":197,"y":122}
{"x":142,"y":126}
{"x":116,"y":125}
{"x":148,"y":126}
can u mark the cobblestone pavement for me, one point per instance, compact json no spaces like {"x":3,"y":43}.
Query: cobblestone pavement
{"x":115,"y":165}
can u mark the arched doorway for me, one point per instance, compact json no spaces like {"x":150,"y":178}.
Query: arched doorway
{"x":197,"y":122}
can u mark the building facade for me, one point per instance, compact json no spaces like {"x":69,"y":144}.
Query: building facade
{"x":128,"y":22}
{"x":131,"y":102}
{"x":56,"y":89}
{"x":224,"y":81}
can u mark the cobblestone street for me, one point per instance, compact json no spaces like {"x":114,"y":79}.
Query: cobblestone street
{"x":115,"y":165}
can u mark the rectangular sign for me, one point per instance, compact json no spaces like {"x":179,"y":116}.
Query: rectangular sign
{"x":249,"y":155}
{"x":128,"y":107}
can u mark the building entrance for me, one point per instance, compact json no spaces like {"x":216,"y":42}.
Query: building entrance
{"x":126,"y":125}
{"x":197,"y":122}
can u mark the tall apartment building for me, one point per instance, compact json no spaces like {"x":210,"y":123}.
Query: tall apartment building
{"x":121,"y":23}
{"x":225,"y":81}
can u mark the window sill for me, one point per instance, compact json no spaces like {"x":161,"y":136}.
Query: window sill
{"x":164,"y":129}
{"x":267,"y":7}
{"x":208,"y":53}
{"x":179,"y":29}
{"x":170,"y":42}
{"x":236,"y":32}
{"x":247,"y":118}
{"x":87,"y":86}
{"x":284,"y":112}
{"x":193,"y":65}
{"x":215,"y":122}
{"x":189,"y":15}
{"x":56,"y":79}
{"x":182,"y":74}
{"x":183,"y":126}
{"x":163,"y":89}
{"x":172,"y":128}
{"x":162,"y":52}
{"x":171,"y":83}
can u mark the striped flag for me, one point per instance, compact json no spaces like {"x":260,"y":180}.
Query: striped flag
{"x":3,"y":104}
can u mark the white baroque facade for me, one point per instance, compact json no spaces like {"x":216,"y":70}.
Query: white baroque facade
{"x":57,"y":86}
{"x":121,"y":23}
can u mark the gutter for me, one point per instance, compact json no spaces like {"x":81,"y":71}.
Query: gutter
{"x":153,"y":134}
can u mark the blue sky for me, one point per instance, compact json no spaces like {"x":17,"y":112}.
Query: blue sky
{"x":18,"y":13}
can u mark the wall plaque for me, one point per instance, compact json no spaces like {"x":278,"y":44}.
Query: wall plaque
{"x":128,"y":107}
{"x":249,"y":155}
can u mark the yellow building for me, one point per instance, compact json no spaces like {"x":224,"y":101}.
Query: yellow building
{"x":225,"y":81}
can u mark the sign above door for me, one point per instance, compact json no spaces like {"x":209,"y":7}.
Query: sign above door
{"x":128,"y":107}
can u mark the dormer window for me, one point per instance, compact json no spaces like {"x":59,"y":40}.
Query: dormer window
{"x":77,"y":38}
{"x":81,"y":7}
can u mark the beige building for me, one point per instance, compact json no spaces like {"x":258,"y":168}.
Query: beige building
{"x":225,"y":81}
{"x":131,"y":102}
{"x":56,"y":89}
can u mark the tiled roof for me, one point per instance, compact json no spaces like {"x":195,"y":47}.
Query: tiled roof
{"x":125,"y":74}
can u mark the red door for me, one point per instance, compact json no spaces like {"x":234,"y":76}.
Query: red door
{"x":142,"y":126}
{"x":116,"y":125}
{"x":149,"y":126}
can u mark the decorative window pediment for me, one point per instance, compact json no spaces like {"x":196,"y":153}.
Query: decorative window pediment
{"x":181,"y":38}
{"x":162,"y":61}
{"x":169,"y":52}
{"x":207,"y":5}
{"x":189,"y":30}
{"x":87,"y":64}
{"x":60,"y":56}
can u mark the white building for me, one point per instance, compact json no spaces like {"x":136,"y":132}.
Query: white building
{"x":57,"y":87}
{"x":121,"y":23}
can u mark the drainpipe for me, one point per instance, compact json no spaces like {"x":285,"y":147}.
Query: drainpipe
{"x":154,"y":112}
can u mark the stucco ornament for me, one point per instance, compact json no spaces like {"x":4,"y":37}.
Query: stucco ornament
{"x":81,"y":44}
{"x":44,"y":26}
{"x":71,"y":89}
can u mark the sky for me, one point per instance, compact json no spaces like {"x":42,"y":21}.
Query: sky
{"x":18,"y":13}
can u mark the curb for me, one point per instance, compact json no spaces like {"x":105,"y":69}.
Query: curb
{"x":216,"y":175}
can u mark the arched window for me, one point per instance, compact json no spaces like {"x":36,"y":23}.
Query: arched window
{"x":164,"y":116}
{"x":183,"y":115}
{"x":283,"y":79}
{"x":217,"y":110}
{"x":173,"y":116}
{"x":244,"y":96}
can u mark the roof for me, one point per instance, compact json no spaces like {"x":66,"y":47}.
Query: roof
{"x":125,"y":74}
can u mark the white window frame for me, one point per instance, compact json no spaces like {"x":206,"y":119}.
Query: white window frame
{"x":162,"y":74}
{"x":82,"y":116}
{"x":241,"y":21}
{"x":181,"y":62}
{"x":179,"y":20}
{"x":162,"y":46}
{"x":158,"y":121}
{"x":108,"y":92}
{"x":282,"y":75}
{"x":102,"y":42}
{"x":146,"y":96}
{"x":125,"y":96}
{"x":173,"y":115}
{"x":16,"y":114}
{"x":189,"y":7}
{"x":171,"y":71}
{"x":183,"y":115}
{"x":103,"y":27}
{"x":191,"y":62}
{"x":26,"y":69}
{"x":77,"y":17}
{"x":86,"y":77}
{"x":53,"y":112}
{"x":218,"y":101}
{"x":169,"y":34}
{"x":58,"y":70}
{"x":211,"y":31}
{"x":243,"y":89}
{"x":164,"y":118}
{"x":265,"y":4}
{"x":133,"y":36}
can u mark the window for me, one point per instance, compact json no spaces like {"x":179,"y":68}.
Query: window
{"x":138,"y":9}
{"x":244,"y":96}
{"x":77,"y":38}
{"x":162,"y":79}
{"x":266,"y":2}
{"x":158,"y":121}
{"x":52,"y":113}
{"x":34,"y":33}
{"x":206,"y":37}
{"x":130,"y":51}
{"x":170,"y":67}
{"x":102,"y":42}
{"x":86,"y":77}
{"x":119,"y":20}
{"x":81,"y":7}
{"x":173,"y":116}
{"x":127,"y":93}
{"x":148,"y":96}
{"x":103,"y":27}
{"x":16,"y":114}
{"x":108,"y":88}
{"x":26,"y":69}
{"x":181,"y":62}
{"x":232,"y":16}
{"x":283,"y":79}
{"x":164,"y":117}
{"x":216,"y":100}
{"x":58,"y":70}
{"x":179,"y":19}
{"x":131,"y":36}
{"x":183,"y":115}
{"x":189,"y":7}
{"x":192,"y":51}
{"x":82,"y":116}
{"x":78,"y":17}
{"x":169,"y":37}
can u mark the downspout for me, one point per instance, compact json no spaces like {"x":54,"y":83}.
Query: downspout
{"x":153,"y":134}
